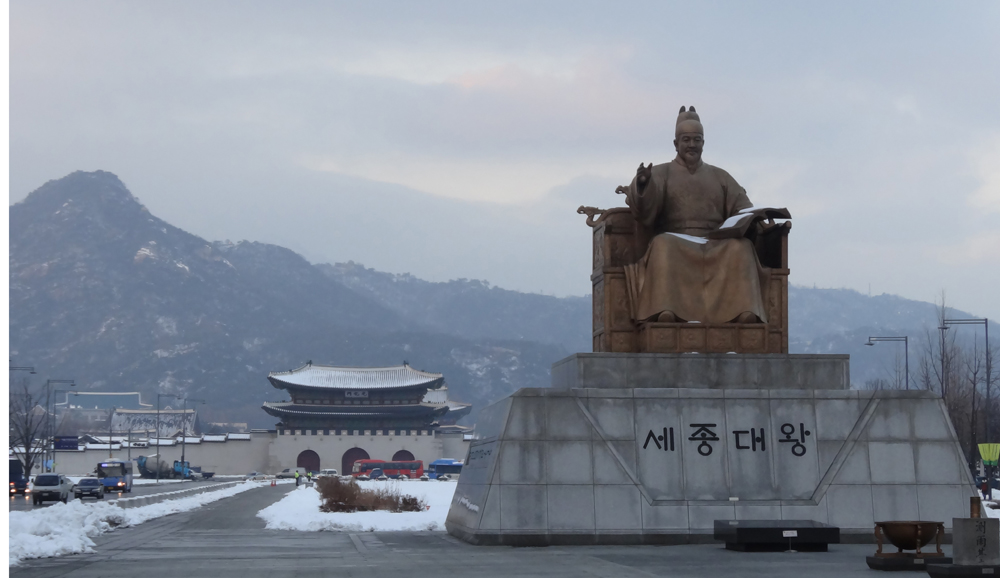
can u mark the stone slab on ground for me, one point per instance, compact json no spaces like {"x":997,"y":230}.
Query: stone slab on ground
{"x":904,"y":563}
{"x":776,"y":535}
{"x":956,"y":571}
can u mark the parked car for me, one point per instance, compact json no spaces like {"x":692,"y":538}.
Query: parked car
{"x":329,"y":472}
{"x":51,"y":487}
{"x":290,"y":472}
{"x":89,"y":487}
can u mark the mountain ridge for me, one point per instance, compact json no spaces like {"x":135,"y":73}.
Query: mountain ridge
{"x":117,"y":299}
{"x":106,"y":293}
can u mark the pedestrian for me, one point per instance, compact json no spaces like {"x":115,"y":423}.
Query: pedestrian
{"x":296,"y":479}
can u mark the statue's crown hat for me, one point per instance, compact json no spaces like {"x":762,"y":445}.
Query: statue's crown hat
{"x":688,"y":121}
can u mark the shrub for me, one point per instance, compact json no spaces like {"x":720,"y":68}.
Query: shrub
{"x":340,"y":496}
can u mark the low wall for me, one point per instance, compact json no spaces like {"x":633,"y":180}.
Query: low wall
{"x":169,"y":494}
{"x":269,"y":452}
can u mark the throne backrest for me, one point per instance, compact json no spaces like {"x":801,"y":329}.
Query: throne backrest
{"x":620,"y":240}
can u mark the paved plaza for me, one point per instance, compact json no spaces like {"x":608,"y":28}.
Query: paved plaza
{"x":225,"y":539}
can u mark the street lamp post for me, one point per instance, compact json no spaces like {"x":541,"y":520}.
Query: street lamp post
{"x":111,"y":416}
{"x":944,"y":375}
{"x":986,"y":326}
{"x":49,"y":399}
{"x":906,"y":348}
{"x":184,"y":430}
{"x":157,"y":433}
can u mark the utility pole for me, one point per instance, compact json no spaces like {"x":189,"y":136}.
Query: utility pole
{"x":158,"y":450}
{"x":111,"y":415}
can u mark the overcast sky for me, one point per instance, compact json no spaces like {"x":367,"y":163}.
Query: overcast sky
{"x":453,"y":140}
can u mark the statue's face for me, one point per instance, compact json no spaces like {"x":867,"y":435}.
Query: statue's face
{"x":689,"y":146}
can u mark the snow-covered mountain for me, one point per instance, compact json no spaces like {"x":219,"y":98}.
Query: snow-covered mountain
{"x":103,"y":292}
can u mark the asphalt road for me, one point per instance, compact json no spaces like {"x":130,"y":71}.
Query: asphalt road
{"x":225,"y":539}
{"x":23,"y":503}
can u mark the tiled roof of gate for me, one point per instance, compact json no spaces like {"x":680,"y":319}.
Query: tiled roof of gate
{"x":329,"y":377}
{"x":285,"y":408}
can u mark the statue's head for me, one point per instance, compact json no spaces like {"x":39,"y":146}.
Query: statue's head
{"x":689,"y":136}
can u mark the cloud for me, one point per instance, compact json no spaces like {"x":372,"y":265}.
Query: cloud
{"x":229,"y":117}
{"x":986,"y":164}
{"x":975,"y":250}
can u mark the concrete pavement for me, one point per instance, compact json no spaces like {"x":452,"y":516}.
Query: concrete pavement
{"x":225,"y":539}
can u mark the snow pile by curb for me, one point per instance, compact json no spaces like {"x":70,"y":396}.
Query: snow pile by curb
{"x":68,"y":528}
{"x":299,"y":510}
{"x":60,"y":529}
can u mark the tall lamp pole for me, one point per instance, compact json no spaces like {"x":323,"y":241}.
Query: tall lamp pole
{"x":986,"y":325}
{"x":906,"y":349}
{"x":111,"y":416}
{"x":158,"y":449}
{"x":184,"y":430}
{"x":49,"y":399}
{"x":944,"y":375}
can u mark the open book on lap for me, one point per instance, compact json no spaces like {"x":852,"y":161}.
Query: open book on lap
{"x":736,"y":226}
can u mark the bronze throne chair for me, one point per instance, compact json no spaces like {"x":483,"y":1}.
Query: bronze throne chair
{"x":619,"y":240}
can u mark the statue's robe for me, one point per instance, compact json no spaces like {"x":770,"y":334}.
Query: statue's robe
{"x":711,"y":281}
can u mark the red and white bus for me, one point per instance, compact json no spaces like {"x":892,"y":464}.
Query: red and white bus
{"x":410,"y":469}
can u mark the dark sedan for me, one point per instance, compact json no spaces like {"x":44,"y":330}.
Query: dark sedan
{"x":89,"y":487}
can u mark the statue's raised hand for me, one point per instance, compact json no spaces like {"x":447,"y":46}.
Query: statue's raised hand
{"x":643,"y":174}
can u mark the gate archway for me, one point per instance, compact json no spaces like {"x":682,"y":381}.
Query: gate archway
{"x":308,"y":460}
{"x":350,"y":456}
{"x":403,"y":456}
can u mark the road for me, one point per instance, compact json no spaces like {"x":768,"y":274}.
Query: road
{"x":23,"y":503}
{"x":225,"y":539}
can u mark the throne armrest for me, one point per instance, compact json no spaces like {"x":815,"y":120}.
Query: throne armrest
{"x":620,"y":240}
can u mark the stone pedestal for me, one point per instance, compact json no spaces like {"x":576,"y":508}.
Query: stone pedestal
{"x":976,"y":541}
{"x":654,"y":448}
{"x":975,"y":548}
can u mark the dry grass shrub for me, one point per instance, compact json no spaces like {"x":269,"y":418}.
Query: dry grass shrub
{"x":348,"y":496}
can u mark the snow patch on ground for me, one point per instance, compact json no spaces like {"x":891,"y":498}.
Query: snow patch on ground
{"x":299,"y":511}
{"x":987,"y":510}
{"x":68,"y":528}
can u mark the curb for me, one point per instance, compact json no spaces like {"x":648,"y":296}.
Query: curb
{"x":140,"y":501}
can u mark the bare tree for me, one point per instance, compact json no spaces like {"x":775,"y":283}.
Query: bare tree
{"x":895,"y":375}
{"x":28,"y":420}
{"x":991,"y":381}
{"x":970,"y":378}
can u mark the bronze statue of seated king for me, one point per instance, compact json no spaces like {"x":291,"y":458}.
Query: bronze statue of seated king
{"x":690,"y":265}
